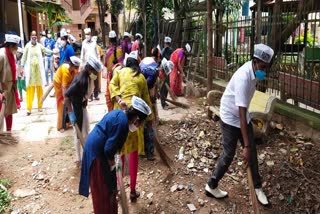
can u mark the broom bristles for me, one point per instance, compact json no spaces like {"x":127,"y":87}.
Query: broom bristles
{"x":8,"y":138}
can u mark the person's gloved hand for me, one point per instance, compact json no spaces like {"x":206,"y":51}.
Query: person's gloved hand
{"x":72,"y":117}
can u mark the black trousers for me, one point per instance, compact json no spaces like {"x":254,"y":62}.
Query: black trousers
{"x":230,"y":137}
{"x":96,"y":88}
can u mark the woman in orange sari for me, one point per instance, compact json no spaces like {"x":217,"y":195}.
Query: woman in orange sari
{"x":178,"y":59}
{"x":61,"y":82}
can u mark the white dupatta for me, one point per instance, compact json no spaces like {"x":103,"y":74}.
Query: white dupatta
{"x":41,"y":66}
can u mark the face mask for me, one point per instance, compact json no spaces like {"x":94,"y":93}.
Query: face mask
{"x":93,"y":76}
{"x":34,"y":40}
{"x":133,"y":128}
{"x":88,"y":38}
{"x":49,"y":36}
{"x":63,"y":43}
{"x":260,"y":74}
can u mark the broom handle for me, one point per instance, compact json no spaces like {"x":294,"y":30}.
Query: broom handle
{"x":3,"y":109}
{"x":79,"y":135}
{"x":252,"y":192}
{"x":182,"y":105}
{"x":47,"y":93}
{"x":172,"y":95}
{"x":124,"y":203}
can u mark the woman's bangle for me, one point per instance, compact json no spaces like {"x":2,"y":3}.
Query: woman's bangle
{"x":119,"y":101}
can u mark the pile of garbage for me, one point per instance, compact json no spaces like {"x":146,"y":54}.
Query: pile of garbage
{"x":288,"y":161}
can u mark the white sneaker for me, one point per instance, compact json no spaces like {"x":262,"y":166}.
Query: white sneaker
{"x":217,"y":193}
{"x":262,"y":198}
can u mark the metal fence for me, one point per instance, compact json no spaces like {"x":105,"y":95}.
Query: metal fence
{"x":295,"y":73}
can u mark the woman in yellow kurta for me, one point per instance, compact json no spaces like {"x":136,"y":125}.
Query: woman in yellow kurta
{"x":128,"y":82}
{"x":61,"y":82}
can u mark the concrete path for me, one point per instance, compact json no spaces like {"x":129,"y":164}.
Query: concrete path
{"x":40,"y":126}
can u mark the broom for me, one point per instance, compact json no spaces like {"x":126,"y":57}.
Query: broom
{"x":47,"y":93}
{"x":164,"y":157}
{"x":176,"y":103}
{"x":252,"y":192}
{"x":3,"y":109}
{"x":7,"y":138}
{"x":172,"y":95}
{"x":123,"y":196}
{"x":79,"y":135}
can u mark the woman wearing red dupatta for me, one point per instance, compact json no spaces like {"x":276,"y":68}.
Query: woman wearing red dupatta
{"x":8,"y":86}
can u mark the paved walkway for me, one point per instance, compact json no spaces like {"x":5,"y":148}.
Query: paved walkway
{"x":40,"y":126}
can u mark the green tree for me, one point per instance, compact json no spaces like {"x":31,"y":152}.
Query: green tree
{"x":56,"y":14}
{"x":103,"y":7}
{"x":151,"y":11}
{"x":223,"y":7}
{"x":116,"y":7}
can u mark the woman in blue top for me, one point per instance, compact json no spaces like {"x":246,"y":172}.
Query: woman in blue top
{"x":66,"y":50}
{"x":98,"y":162}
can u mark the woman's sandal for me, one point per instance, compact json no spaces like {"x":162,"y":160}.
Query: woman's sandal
{"x":134,"y":195}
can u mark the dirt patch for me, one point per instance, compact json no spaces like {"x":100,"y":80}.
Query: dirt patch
{"x":288,"y":164}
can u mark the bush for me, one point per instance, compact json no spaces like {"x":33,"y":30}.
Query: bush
{"x":4,"y":195}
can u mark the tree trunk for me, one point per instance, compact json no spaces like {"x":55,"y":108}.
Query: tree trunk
{"x":144,"y":28}
{"x":102,"y":9}
{"x":258,"y":22}
{"x":176,"y":8}
{"x":218,"y":33}
{"x":209,"y":56}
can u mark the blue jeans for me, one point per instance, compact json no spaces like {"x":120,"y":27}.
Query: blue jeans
{"x":48,"y":66}
{"x":230,"y":137}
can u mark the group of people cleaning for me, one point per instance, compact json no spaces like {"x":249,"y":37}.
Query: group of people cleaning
{"x":131,"y":93}
{"x":127,"y":128}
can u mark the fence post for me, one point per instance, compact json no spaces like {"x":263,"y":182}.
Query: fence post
{"x":209,"y":56}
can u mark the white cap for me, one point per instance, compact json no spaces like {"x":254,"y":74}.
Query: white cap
{"x":140,"y":105}
{"x":112,"y":34}
{"x":167,"y":66}
{"x":68,"y":31}
{"x":55,"y":51}
{"x":188,"y":48}
{"x":133,"y":54}
{"x":138,"y":34}
{"x":43,"y":33}
{"x":126,"y":34}
{"x":167,"y":39}
{"x":94,"y":38}
{"x":94,"y":62}
{"x":63,"y":32}
{"x":56,"y":56}
{"x":75,"y":60}
{"x":87,"y":30}
{"x":12,"y":38}
{"x":263,"y":52}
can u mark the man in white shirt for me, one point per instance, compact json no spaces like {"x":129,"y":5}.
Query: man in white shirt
{"x":235,"y":121}
{"x":89,"y":48}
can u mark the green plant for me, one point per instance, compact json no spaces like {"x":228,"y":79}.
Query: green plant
{"x":311,"y":40}
{"x":5,"y":198}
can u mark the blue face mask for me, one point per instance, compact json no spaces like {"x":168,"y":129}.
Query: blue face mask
{"x":261,"y":75}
